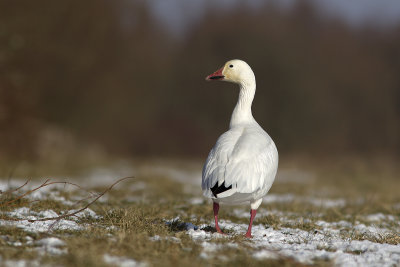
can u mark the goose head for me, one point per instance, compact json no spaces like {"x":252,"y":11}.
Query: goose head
{"x":235,"y":71}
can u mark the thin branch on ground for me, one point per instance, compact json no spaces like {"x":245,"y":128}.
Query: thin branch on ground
{"x":28,"y":203}
{"x":85,"y":207}
{"x":46,"y":183}
{"x":26,"y":193}
{"x":16,"y":189}
{"x":86,"y":198}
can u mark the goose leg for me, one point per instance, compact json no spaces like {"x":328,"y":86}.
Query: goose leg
{"x":216,"y":209}
{"x":252,"y":215}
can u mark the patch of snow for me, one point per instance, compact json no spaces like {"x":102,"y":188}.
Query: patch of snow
{"x":15,"y":244}
{"x":173,"y":239}
{"x":378,"y":217}
{"x":200,"y":234}
{"x":327,"y":203}
{"x":196,"y":201}
{"x":307,"y":246}
{"x":240,"y":213}
{"x":137,"y":186}
{"x":87,"y":213}
{"x":35,"y":227}
{"x":24,"y":214}
{"x":55,"y":195}
{"x":170,"y":238}
{"x":103,"y":199}
{"x":50,"y":242}
{"x":46,"y":192}
{"x":29,"y":240}
{"x":283,"y":198}
{"x":20,"y":263}
{"x":265,"y":254}
{"x":209,"y":249}
{"x":122,"y":261}
{"x":331,"y":225}
{"x":51,"y":245}
{"x":155,"y":238}
{"x":321,"y":202}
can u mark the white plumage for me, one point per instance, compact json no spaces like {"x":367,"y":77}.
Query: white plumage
{"x":244,"y":157}
{"x":242,"y":165}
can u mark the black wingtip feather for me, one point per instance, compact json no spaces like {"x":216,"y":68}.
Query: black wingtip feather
{"x":219,"y":189}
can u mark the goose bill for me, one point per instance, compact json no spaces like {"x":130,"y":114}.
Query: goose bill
{"x":216,"y":75}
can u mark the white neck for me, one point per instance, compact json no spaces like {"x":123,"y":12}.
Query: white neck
{"x":242,"y":112}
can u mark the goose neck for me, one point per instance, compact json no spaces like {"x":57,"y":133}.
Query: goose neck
{"x":242,"y":112}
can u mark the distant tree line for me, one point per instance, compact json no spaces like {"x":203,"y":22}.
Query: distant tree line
{"x":108,"y":73}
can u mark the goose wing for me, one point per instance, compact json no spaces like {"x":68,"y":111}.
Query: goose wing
{"x":242,"y":160}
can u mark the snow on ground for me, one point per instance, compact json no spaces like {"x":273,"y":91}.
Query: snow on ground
{"x":378,"y":217}
{"x":20,"y":263}
{"x":196,"y":200}
{"x":304,"y":246}
{"x":50,"y":245}
{"x":25,"y":214}
{"x":169,"y":238}
{"x":320,"y":202}
{"x":330,"y":242}
{"x":46,"y":246}
{"x":122,"y":261}
{"x":49,"y":192}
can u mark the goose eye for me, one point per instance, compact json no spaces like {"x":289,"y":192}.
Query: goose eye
{"x":231,"y":66}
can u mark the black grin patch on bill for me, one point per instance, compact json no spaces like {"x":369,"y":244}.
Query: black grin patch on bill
{"x":216,"y":77}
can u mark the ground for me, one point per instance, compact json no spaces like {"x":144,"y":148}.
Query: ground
{"x":343,"y":213}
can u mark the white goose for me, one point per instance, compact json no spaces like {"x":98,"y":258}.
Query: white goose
{"x":242,"y":165}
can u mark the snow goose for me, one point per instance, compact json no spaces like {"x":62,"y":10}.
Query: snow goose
{"x":242,"y":165}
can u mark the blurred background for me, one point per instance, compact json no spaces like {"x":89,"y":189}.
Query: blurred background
{"x":84,"y":80}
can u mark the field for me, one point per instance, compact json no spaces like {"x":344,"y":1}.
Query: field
{"x":342,"y":212}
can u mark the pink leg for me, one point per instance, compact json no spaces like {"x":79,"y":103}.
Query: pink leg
{"x":252,"y":215}
{"x":216,"y":209}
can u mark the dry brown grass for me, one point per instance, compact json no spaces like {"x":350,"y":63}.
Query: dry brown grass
{"x":125,"y":226}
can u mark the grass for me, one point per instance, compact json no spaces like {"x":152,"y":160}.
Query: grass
{"x":125,"y":227}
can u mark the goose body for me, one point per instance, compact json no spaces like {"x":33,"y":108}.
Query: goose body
{"x":242,"y":165}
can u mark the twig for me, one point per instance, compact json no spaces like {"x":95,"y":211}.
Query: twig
{"x":16,"y":189}
{"x":10,"y":219}
{"x":52,"y":225}
{"x":76,"y":185}
{"x":85,"y":207}
{"x":84,"y":199}
{"x":26,"y":193}
{"x":29,"y":203}
{"x":46,"y":183}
